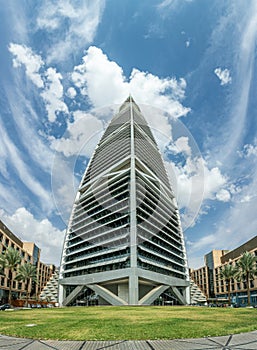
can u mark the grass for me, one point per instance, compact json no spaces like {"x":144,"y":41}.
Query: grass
{"x":127,"y":323}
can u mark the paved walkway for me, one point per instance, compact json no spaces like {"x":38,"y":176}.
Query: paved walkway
{"x":244,"y":341}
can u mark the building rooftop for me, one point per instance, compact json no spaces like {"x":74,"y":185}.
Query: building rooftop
{"x":235,"y":253}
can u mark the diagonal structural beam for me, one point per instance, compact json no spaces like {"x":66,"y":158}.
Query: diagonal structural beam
{"x":150,"y":297}
{"x":107,"y":295}
{"x":69,"y":299}
{"x":180,"y":297}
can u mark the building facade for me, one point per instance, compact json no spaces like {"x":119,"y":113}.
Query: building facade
{"x":209,"y":280}
{"x":238,"y":288}
{"x":124,"y":244}
{"x":29,"y":253}
{"x":212,"y":260}
{"x":201,"y":278}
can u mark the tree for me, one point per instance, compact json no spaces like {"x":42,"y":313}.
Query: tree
{"x":228,"y":273}
{"x":247,"y":271}
{"x":27,"y":273}
{"x":10,"y":259}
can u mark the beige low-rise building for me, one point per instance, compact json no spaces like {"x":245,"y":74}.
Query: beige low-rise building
{"x":200,"y":277}
{"x":208,"y":278}
{"x":204,"y":276}
{"x":238,"y":288}
{"x":29,"y":253}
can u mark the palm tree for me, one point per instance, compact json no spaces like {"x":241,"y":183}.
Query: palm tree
{"x":10,"y":259}
{"x":247,"y":271}
{"x":228,"y":273}
{"x":27,"y":273}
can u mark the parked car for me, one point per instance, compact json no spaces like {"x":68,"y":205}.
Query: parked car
{"x":5,"y":307}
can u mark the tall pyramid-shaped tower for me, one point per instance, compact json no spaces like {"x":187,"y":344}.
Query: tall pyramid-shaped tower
{"x":124,"y":243}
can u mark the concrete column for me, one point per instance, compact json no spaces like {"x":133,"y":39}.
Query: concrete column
{"x":133,"y":288}
{"x":61,"y":291}
{"x":133,"y":278}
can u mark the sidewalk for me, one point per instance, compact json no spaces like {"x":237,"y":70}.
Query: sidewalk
{"x":244,"y":341}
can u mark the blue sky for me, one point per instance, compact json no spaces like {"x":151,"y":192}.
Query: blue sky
{"x":65,"y":66}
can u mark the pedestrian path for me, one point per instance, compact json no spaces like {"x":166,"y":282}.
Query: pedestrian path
{"x":244,"y":341}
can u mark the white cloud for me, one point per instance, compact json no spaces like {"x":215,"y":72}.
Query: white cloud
{"x":49,"y":80}
{"x":80,"y":19}
{"x":103,"y":79}
{"x":78,"y":135}
{"x":8,"y":197}
{"x":194,"y":184}
{"x":165,"y":93}
{"x":213,"y":182}
{"x":236,"y":225}
{"x":243,"y":43}
{"x":249,"y":34}
{"x":32,"y":62}
{"x":223,"y":195}
{"x":104,"y":83}
{"x":211,"y":179}
{"x":167,"y":5}
{"x":71,"y":92}
{"x":205,"y":241}
{"x":249,"y":150}
{"x":27,"y":122}
{"x":223,"y":75}
{"x":23,"y":170}
{"x":181,"y":145}
{"x":246,"y":198}
{"x":47,"y":237}
{"x":53,"y":94}
{"x":3,"y":159}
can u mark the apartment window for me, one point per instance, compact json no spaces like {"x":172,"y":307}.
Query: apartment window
{"x":6,"y":242}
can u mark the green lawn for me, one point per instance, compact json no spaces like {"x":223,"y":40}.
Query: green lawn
{"x":123,"y":323}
